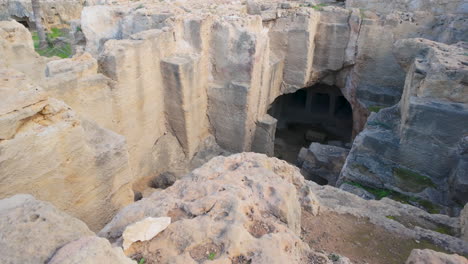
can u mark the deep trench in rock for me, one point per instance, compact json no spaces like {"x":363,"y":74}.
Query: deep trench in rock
{"x":319,"y":113}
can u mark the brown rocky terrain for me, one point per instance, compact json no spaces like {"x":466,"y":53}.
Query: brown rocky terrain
{"x":131,"y":127}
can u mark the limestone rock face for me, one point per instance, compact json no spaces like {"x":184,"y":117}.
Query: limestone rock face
{"x":36,"y":232}
{"x":322,"y":161}
{"x":33,"y":230}
{"x":89,"y":250}
{"x":56,"y":13}
{"x":436,"y":7}
{"x":16,"y":47}
{"x":76,"y":82}
{"x":464,"y":223}
{"x":47,"y":151}
{"x":439,"y":74}
{"x":422,"y":135}
{"x":430,"y":256}
{"x":243,"y":207}
{"x":98,"y":24}
{"x":257,"y":52}
{"x":162,"y":78}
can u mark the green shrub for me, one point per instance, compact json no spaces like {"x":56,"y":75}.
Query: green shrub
{"x":212,"y":256}
{"x":62,"y":51}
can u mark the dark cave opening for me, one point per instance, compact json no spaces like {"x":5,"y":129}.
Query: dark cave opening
{"x":319,"y":113}
{"x":25,"y":22}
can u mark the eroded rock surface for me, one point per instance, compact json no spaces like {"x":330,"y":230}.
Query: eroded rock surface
{"x":17,"y":50}
{"x":33,"y":231}
{"x":416,"y":147}
{"x":47,"y":151}
{"x":245,"y":207}
{"x":163,"y":83}
{"x":90,"y":250}
{"x":56,"y":13}
{"x":237,"y":209}
{"x":322,"y":161}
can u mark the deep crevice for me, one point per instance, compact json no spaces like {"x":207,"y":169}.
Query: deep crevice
{"x":319,"y":113}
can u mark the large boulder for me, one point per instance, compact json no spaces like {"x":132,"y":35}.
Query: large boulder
{"x":32,"y":230}
{"x":47,"y":151}
{"x":17,"y":49}
{"x":246,"y":207}
{"x":90,"y":250}
{"x":322,"y":161}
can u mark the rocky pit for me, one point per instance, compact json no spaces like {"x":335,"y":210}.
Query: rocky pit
{"x":155,"y":108}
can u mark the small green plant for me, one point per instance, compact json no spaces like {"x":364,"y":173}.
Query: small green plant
{"x":333,"y":257}
{"x":318,"y":7}
{"x":378,"y":193}
{"x":54,"y":33}
{"x":412,"y":181}
{"x":212,"y":256}
{"x":62,"y":51}
{"x":444,"y":230}
{"x":391,"y":217}
{"x":402,"y":198}
{"x":78,"y":29}
{"x":375,"y":108}
{"x":142,"y":261}
{"x":139,"y":7}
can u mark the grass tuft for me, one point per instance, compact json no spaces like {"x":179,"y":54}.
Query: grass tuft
{"x":212,"y":256}
{"x":376,"y":108}
{"x":402,"y":198}
{"x":62,"y":51}
{"x":411,"y":181}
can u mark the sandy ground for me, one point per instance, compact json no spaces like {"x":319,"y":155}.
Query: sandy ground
{"x":357,"y":239}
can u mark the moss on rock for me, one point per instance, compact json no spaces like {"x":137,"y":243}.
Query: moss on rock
{"x":411,"y":181}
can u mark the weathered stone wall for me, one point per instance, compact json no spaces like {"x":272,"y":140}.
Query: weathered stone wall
{"x":287,"y":47}
{"x":221,"y":66}
{"x":417,"y":147}
{"x":48,"y":151}
{"x":56,"y":13}
{"x":167,"y":76}
{"x":17,"y":51}
{"x":37,"y":232}
{"x":433,"y":6}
